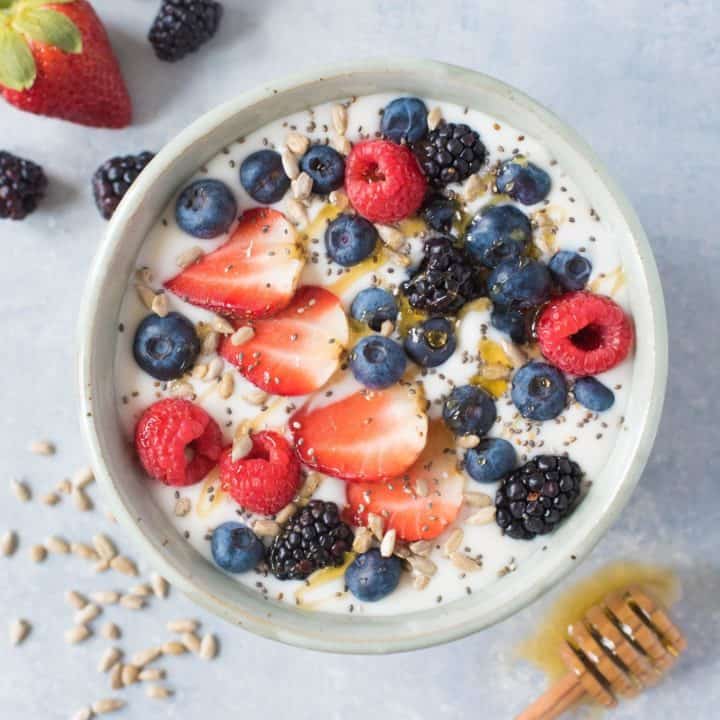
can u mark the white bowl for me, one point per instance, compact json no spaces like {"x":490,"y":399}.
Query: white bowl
{"x":119,"y":474}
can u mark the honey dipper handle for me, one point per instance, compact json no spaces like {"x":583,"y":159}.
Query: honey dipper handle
{"x":559,"y":698}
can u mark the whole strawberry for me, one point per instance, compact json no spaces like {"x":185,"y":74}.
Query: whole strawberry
{"x":56,"y":60}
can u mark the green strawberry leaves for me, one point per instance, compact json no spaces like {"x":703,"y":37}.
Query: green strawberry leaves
{"x":29,"y":20}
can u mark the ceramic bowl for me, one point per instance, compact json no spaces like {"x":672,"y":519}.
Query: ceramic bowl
{"x":121,"y":479}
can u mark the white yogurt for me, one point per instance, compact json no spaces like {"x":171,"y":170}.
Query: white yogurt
{"x":588,"y":438}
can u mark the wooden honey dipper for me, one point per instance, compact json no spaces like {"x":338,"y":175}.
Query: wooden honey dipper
{"x":621,"y":646}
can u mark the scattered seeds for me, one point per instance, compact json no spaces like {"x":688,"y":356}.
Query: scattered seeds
{"x":190,"y":256}
{"x":81,"y":499}
{"x":453,"y":542}
{"x":375,"y":523}
{"x":463,"y":562}
{"x":191,"y":641}
{"x":421,"y":582}
{"x":50,"y":499}
{"x":124,"y":565}
{"x":311,"y":484}
{"x":83,"y":714}
{"x":242,"y":335}
{"x":208,"y":647}
{"x":477,"y":499}
{"x":132,"y":602}
{"x":160,"y":304}
{"x":87,"y":614}
{"x":106,"y":597}
{"x":151,"y":674}
{"x":227,"y":385}
{"x":146,"y":295}
{"x":38,"y":553}
{"x":483,"y":516}
{"x":182,"y":507}
{"x":339,"y":119}
{"x":434,"y":118}
{"x":296,"y":211}
{"x":286,"y":513}
{"x":402,"y":551}
{"x":182,"y":389}
{"x":242,"y":445}
{"x":83,"y":477}
{"x":297,"y":143}
{"x":77,"y":634}
{"x":129,"y":674}
{"x":83,"y":550}
{"x":208,"y":346}
{"x":341,"y":144}
{"x":145,"y":657}
{"x":110,"y":631}
{"x":107,"y":705}
{"x":75,"y":599}
{"x":104,"y":546}
{"x":222,"y":326}
{"x":183,"y":625}
{"x":423,"y":565}
{"x":64,"y":486}
{"x":390,"y":236}
{"x":474,"y":188}
{"x":468,"y":441}
{"x":19,"y":630}
{"x":101,"y":566}
{"x":387,"y":328}
{"x":160,"y":586}
{"x":421,"y":547}
{"x":339,"y":199}
{"x":255,"y":396}
{"x":158,"y":692}
{"x":144,"y":590}
{"x":290,"y":163}
{"x":387,"y":546}
{"x":57,"y":545}
{"x":172,"y":647}
{"x":108,"y":659}
{"x":302,"y":186}
{"x":266,"y":528}
{"x":116,"y":682}
{"x":199,"y":371}
{"x":21,"y":490}
{"x":8,"y":543}
{"x":42,"y":447}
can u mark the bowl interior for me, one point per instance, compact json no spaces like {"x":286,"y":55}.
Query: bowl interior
{"x":122,"y":479}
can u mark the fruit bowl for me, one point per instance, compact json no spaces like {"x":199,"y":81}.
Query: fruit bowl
{"x":124,"y":483}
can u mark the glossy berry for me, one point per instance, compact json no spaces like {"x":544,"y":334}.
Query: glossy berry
{"x":177,"y":442}
{"x":182,"y":26}
{"x":374,"y":306}
{"x":383,"y":181}
{"x":450,"y":153}
{"x":521,"y":282}
{"x":514,"y":322}
{"x":325,"y":166}
{"x":371,"y":577}
{"x":404,"y":120}
{"x":489,"y":461}
{"x":539,"y":391}
{"x":235,"y":547}
{"x":523,"y":181}
{"x":497,"y":234}
{"x":113,"y":179}
{"x":537,"y":496}
{"x":469,"y":410}
{"x":266,"y":479}
{"x":445,"y":279}
{"x":593,"y":395}
{"x":315,"y":537}
{"x":431,"y":343}
{"x":22,"y":186}
{"x":583,"y":333}
{"x":263,"y":178}
{"x":206,"y":209}
{"x":570,"y":270}
{"x":350,"y":239}
{"x":166,"y":347}
{"x":377,"y":362}
{"x":439,"y":212}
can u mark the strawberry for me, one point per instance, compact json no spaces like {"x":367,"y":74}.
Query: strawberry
{"x":421,"y":504}
{"x":368,"y":435}
{"x":296,"y":351}
{"x":253,"y":275}
{"x":56,"y":60}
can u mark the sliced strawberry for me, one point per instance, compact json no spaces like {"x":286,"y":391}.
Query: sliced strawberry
{"x":253,"y":275}
{"x":421,"y":504}
{"x":368,"y":435}
{"x":296,"y":351}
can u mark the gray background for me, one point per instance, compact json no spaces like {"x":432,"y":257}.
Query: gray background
{"x":639,"y":79}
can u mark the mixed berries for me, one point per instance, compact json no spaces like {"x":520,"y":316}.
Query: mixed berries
{"x":113,"y":179}
{"x":350,"y":366}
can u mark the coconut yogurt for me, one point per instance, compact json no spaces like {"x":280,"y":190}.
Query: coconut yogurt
{"x":564,"y":221}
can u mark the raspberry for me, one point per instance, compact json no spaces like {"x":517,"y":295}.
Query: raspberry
{"x":266,"y":479}
{"x":384,"y":181}
{"x":584,"y":334}
{"x":177,"y":442}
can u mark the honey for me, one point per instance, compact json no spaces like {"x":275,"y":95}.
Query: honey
{"x":491,"y":353}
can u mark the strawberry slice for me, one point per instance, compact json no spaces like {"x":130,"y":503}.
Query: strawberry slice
{"x":367,"y":435}
{"x":296,"y":351}
{"x":421,"y":504}
{"x":253,"y":275}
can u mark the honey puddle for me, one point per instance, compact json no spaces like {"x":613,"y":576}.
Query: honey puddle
{"x":541,"y":649}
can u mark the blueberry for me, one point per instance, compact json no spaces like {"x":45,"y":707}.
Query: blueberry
{"x":371,"y":577}
{"x":570,"y":269}
{"x":374,"y":306}
{"x":431,"y":343}
{"x":166,"y":347}
{"x":236,"y":548}
{"x":377,"y":362}
{"x":523,"y":181}
{"x":405,"y":120}
{"x":593,"y":395}
{"x":512,"y":321}
{"x":498,"y":233}
{"x":263,"y":177}
{"x":439,"y":212}
{"x":350,"y":239}
{"x":469,"y":410}
{"x":492,"y":459}
{"x":539,"y":391}
{"x":325,"y":166}
{"x":205,"y":209}
{"x":521,"y":282}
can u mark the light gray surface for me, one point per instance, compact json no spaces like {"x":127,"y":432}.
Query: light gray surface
{"x":639,"y":80}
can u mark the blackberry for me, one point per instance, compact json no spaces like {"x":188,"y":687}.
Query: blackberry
{"x":113,"y":178}
{"x":182,"y":26}
{"x":315,"y":537}
{"x":536,"y":497}
{"x":450,"y":153}
{"x":446,"y":279}
{"x":22,"y":184}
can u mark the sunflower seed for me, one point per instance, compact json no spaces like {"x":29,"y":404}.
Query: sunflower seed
{"x":199,"y":371}
{"x":468,"y":441}
{"x":477,"y":499}
{"x":463,"y":562}
{"x":191,"y":641}
{"x":160,"y":585}
{"x":311,"y":484}
{"x":160,"y":304}
{"x":390,"y":236}
{"x":375,"y":523}
{"x":242,"y":335}
{"x":83,"y":476}
{"x":19,"y":630}
{"x":143,"y":275}
{"x":423,"y":565}
{"x":474,"y":188}
{"x":129,"y":674}
{"x":57,"y":545}
{"x":341,"y":144}
{"x":75,"y":599}
{"x":296,"y":211}
{"x":145,"y":657}
{"x":182,"y":507}
{"x":9,"y":543}
{"x":290,"y":163}
{"x":158,"y":692}
{"x":77,"y":634}
{"x":227,"y":385}
{"x":241,"y":447}
{"x":109,"y":658}
{"x":172,"y":647}
{"x":339,"y":119}
{"x":21,"y":489}
{"x":434,"y":118}
{"x":208,"y":346}
{"x":107,"y":705}
{"x":116,"y":682}
{"x":387,"y":546}
{"x":38,"y":553}
{"x":266,"y":528}
{"x":104,"y":546}
{"x":222,"y":326}
{"x":339,"y":199}
{"x":81,"y":499}
{"x":110,"y":631}
{"x":85,"y":713}
{"x":182,"y":389}
{"x":363,"y":540}
{"x":124,"y":565}
{"x":83,"y":550}
{"x":106,"y":597}
{"x":42,"y":447}
{"x":101,"y":566}
{"x":255,"y":396}
{"x":208,"y":647}
{"x":421,"y":547}
{"x":64,"y":486}
{"x":302,"y":186}
{"x":87,"y":614}
{"x":142,"y":591}
{"x":453,"y":542}
{"x":387,"y":328}
{"x":482,"y":517}
{"x":420,"y":582}
{"x":286,"y":513}
{"x":151,"y":674}
{"x":183,"y":625}
{"x":146,"y":295}
{"x":51,"y":499}
{"x":132,"y":602}
{"x":190,"y":256}
{"x":297,"y":143}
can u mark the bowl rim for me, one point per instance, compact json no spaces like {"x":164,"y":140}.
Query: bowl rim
{"x":562,"y":563}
